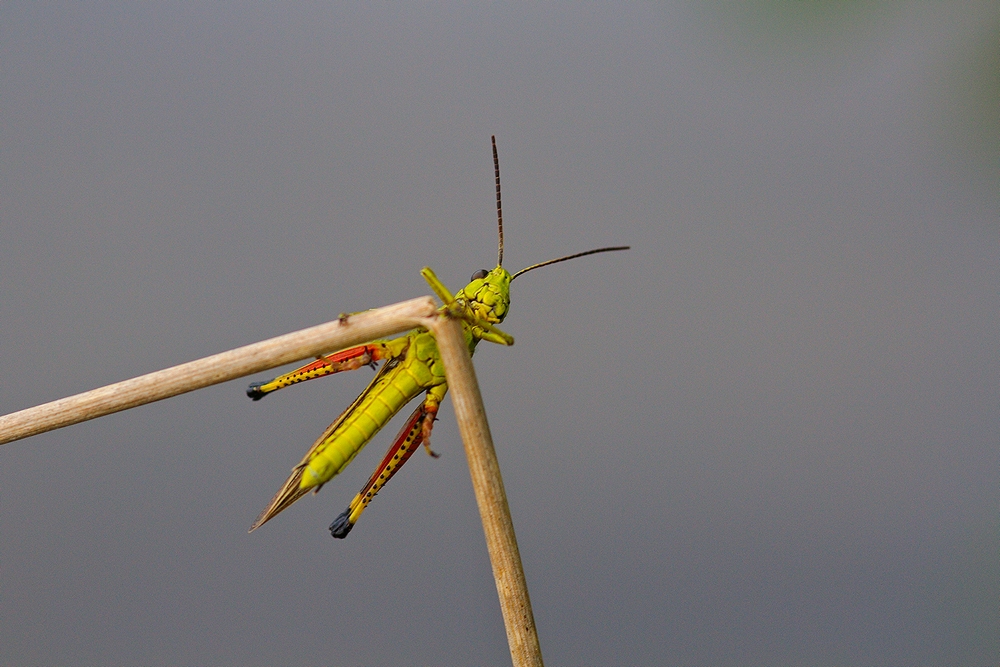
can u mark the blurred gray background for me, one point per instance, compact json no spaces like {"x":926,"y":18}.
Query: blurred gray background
{"x":768,"y":434}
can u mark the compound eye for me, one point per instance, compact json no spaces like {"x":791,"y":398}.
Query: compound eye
{"x":480,"y":274}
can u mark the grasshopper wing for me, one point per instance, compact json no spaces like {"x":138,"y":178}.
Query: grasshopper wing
{"x":291,"y":490}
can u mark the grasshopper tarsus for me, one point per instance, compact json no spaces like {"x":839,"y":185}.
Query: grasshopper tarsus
{"x":254,"y":391}
{"x":342,"y":525}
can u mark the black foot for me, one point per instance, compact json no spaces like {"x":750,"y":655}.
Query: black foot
{"x":341,"y":526}
{"x":254,"y":392}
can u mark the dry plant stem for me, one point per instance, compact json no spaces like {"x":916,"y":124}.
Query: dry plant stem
{"x":324,"y":338}
{"x":222,"y":367}
{"x":490,"y":496}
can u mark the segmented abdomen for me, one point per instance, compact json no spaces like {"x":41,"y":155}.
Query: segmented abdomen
{"x":419,"y":371}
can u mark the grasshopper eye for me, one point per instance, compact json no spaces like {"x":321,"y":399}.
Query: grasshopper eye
{"x":480,"y":274}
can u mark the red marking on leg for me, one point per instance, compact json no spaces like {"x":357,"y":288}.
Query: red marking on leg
{"x":401,"y":449}
{"x":368,"y":352}
{"x":425,"y":429}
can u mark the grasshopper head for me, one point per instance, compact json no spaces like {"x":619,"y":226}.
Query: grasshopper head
{"x":488,"y":295}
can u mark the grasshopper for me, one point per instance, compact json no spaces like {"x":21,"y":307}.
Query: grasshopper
{"x":412,"y":366}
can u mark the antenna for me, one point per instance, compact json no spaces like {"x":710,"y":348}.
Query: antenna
{"x":563,"y":259}
{"x":496,"y":168}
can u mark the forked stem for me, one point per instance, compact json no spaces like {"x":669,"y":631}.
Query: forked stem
{"x":344,"y":332}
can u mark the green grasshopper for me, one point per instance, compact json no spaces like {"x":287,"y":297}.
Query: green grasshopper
{"x":412,"y":366}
